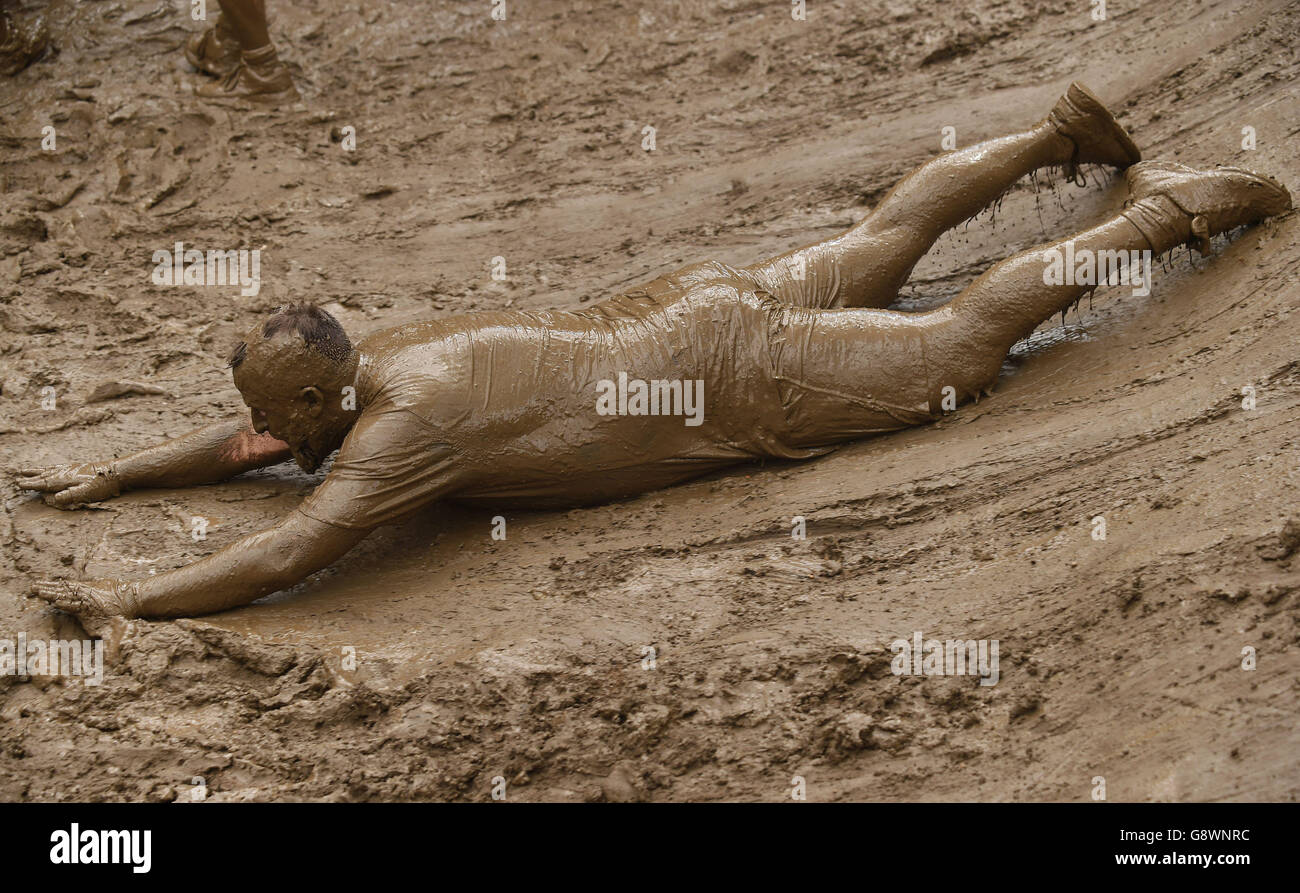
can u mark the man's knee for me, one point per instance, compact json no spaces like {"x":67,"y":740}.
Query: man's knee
{"x":962,"y":362}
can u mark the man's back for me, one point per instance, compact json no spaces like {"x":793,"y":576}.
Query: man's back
{"x":551,"y":407}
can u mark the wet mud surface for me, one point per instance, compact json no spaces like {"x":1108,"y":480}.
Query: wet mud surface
{"x":527,"y":658}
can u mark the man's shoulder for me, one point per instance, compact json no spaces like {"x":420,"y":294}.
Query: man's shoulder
{"x":389,"y":441}
{"x":383,"y":421}
{"x":414,"y":373}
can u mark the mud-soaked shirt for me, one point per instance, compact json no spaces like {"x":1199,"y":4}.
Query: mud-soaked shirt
{"x":638,"y":392}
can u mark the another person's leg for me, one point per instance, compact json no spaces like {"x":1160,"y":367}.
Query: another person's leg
{"x":21,"y":42}
{"x":214,"y":50}
{"x":850,"y":372}
{"x":865,"y":266}
{"x":247,"y":19}
{"x":259,"y":75}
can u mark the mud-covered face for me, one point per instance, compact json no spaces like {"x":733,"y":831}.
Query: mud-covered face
{"x":282,"y":387}
{"x":285,"y":412}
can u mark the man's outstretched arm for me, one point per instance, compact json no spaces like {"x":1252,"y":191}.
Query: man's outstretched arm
{"x":211,"y":453}
{"x":257,"y":565}
{"x":385,"y":470}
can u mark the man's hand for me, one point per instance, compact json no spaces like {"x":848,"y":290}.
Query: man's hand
{"x":66,"y":486}
{"x":89,"y":599}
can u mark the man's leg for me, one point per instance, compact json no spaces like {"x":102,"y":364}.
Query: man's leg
{"x":849,"y":372}
{"x":865,"y":266}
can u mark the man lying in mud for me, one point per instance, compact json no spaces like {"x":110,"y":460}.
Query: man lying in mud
{"x":545,"y":408}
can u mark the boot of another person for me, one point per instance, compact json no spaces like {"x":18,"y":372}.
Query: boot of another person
{"x":23,"y":43}
{"x":215,"y":50}
{"x":259,"y":77}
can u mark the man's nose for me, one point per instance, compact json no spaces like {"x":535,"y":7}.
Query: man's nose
{"x":259,"y":422}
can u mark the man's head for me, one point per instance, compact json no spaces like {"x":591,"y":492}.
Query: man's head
{"x":291,"y":371}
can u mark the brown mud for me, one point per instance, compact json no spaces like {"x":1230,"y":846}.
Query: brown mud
{"x":523,"y":658}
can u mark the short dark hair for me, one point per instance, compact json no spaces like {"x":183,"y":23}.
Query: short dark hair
{"x":318,"y":329}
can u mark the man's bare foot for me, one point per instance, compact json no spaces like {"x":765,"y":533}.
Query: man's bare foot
{"x":91,"y":601}
{"x":67,"y":486}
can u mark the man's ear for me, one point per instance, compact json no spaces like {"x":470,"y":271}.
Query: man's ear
{"x":312,"y":399}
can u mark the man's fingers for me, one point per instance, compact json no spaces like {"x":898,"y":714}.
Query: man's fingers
{"x":46,"y":589}
{"x":65,"y":499}
{"x":45,"y":479}
{"x":59,"y":593}
{"x":86,"y":599}
{"x":73,"y":496}
{"x":35,"y":480}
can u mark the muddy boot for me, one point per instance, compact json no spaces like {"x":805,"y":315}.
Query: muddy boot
{"x":1098,"y":138}
{"x":20,"y":45}
{"x":259,"y":77}
{"x":1173,"y":203}
{"x":215,"y":50}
